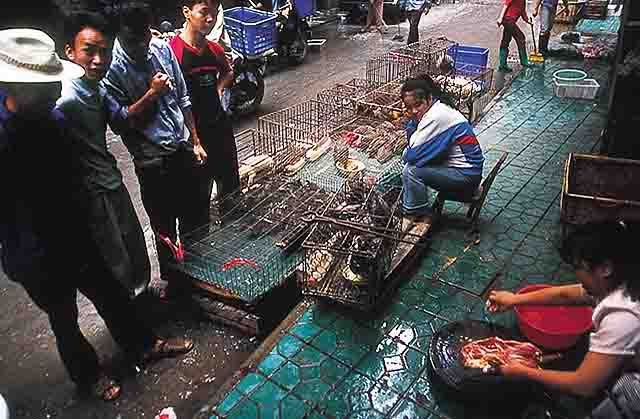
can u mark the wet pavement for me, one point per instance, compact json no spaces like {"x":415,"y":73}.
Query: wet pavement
{"x":333,"y":363}
{"x":33,"y":379}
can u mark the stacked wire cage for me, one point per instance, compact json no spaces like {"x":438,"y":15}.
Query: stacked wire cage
{"x":431,"y":56}
{"x":343,"y":94}
{"x":254,"y":246}
{"x":465,"y":85}
{"x":349,"y":251}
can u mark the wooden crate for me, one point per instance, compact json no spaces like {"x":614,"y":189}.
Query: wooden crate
{"x":570,"y":14}
{"x":597,"y":188}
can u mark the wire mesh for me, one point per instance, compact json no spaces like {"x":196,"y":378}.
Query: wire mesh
{"x":252,"y":248}
{"x":346,"y":263}
{"x":343,"y":94}
{"x":466,"y":84}
{"x":432,"y":56}
{"x":304,"y":124}
{"x":379,"y":139}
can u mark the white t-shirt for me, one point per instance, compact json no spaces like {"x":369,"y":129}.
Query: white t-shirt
{"x":616,"y":326}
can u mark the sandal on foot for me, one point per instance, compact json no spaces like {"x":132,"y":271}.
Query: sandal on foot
{"x":157,"y":292}
{"x":166,"y":348}
{"x":106,"y":389}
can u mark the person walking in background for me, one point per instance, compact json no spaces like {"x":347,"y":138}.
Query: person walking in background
{"x":547,"y":11}
{"x":415,"y":9}
{"x":511,"y":12}
{"x":375,"y":15}
{"x":207,"y":73}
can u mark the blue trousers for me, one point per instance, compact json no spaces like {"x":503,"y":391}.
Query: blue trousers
{"x":451,"y":181}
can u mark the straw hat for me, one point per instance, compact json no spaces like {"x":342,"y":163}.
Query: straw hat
{"x":28,"y":56}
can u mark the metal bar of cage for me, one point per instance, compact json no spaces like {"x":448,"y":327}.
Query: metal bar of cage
{"x":465,"y":85}
{"x":343,"y":94}
{"x":332,"y":254}
{"x":306,"y":123}
{"x":243,"y":253}
{"x":431,"y":56}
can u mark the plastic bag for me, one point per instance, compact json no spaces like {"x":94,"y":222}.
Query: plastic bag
{"x":166,"y":413}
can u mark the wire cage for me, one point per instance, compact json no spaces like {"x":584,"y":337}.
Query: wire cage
{"x":466,"y":84}
{"x":343,"y":94}
{"x":305,"y":124}
{"x":379,"y":139}
{"x":254,"y":246}
{"x":350,"y":248}
{"x":432,"y":56}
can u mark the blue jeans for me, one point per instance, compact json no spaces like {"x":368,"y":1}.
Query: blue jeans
{"x":547,"y":17}
{"x":451,"y":181}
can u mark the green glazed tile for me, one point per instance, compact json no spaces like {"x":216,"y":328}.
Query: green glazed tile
{"x":267,"y":394}
{"x":421,"y":392}
{"x":331,"y":371}
{"x":407,"y":409}
{"x":231,"y":399}
{"x":249,"y":383}
{"x":351,"y":395}
{"x":305,"y":331}
{"x":316,"y":415}
{"x":289,"y":345}
{"x":288,"y":376}
{"x":326,"y":341}
{"x":351,"y":354}
{"x":399,"y":381}
{"x":292,"y":407}
{"x":270,"y":363}
{"x":309,"y":390}
{"x":244,"y":410}
{"x":383,"y":398}
{"x":307,"y":356}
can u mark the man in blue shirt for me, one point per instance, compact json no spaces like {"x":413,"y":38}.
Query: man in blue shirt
{"x":415,"y":9}
{"x":146,"y":82}
{"x":547,"y":10}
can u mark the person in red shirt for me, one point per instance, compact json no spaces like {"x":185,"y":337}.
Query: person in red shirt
{"x":207,"y":73}
{"x":511,"y":12}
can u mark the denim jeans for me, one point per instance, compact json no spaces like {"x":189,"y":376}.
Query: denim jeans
{"x":451,"y":181}
{"x":547,"y":17}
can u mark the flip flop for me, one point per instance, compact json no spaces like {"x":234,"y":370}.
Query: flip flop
{"x":167,"y":348}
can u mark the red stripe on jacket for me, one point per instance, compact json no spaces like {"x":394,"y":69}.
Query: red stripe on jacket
{"x":467,"y":140}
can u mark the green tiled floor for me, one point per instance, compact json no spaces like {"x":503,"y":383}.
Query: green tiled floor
{"x":336,"y":364}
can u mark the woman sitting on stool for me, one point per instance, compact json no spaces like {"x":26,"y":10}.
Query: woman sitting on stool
{"x":443,"y":152}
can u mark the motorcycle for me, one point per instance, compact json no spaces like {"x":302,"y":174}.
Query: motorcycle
{"x":248,"y":89}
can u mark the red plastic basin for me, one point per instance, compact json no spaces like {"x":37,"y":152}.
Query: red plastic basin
{"x":553,"y":327}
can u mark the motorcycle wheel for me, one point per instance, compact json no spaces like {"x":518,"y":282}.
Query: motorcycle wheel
{"x":247,"y":93}
{"x":298,"y":49}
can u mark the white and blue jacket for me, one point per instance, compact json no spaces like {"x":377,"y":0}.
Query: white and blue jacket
{"x":444,"y":137}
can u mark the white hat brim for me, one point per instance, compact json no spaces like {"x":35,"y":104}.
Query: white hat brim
{"x":12,"y":74}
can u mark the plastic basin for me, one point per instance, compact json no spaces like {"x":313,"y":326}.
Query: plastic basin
{"x":553,"y":327}
{"x":569,"y":75}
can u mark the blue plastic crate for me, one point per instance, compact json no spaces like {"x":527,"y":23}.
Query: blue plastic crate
{"x":469,"y":54}
{"x":305,"y":8}
{"x":252,"y":32}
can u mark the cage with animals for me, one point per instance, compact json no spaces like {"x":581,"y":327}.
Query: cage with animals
{"x":349,"y":250}
{"x":255,"y":244}
{"x":343,"y":94}
{"x":425,"y":57}
{"x":464,"y":85}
